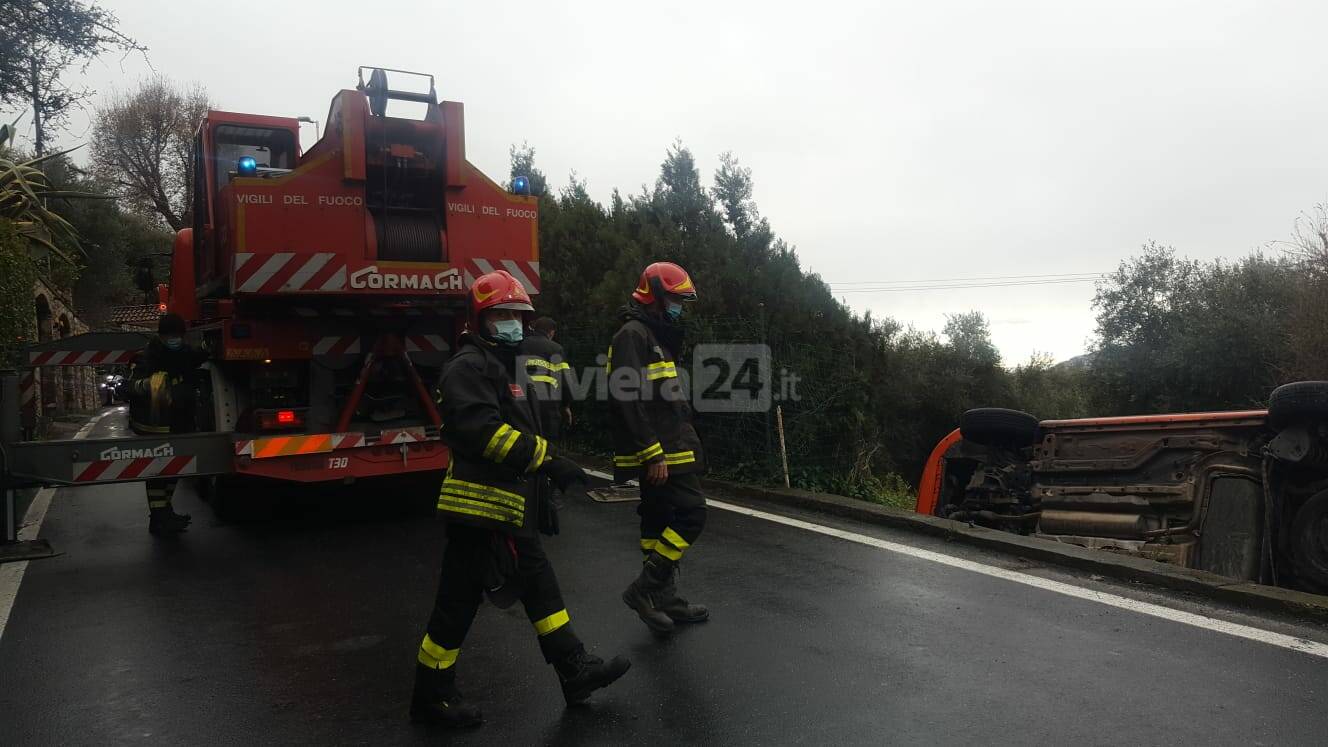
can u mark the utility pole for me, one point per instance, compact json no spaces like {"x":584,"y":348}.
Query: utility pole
{"x":36,"y":104}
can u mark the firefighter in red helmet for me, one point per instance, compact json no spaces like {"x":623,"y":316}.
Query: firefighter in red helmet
{"x":495,"y":501}
{"x":654,"y":441}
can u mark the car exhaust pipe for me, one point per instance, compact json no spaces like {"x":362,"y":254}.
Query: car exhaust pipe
{"x":1094,"y":524}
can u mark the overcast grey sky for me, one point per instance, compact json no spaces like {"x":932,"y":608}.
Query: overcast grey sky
{"x":889,"y":141}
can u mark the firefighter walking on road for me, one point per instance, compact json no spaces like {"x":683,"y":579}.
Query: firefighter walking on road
{"x":546,"y":366}
{"x":654,"y":441}
{"x":162,"y":401}
{"x":496,"y":501}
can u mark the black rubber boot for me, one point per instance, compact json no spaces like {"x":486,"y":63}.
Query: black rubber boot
{"x":678,"y":609}
{"x":436,"y":700}
{"x":644,"y":595}
{"x":581,"y":674}
{"x":162,"y":522}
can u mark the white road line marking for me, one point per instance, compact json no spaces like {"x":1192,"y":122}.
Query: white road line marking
{"x":606,"y":476}
{"x":11,"y":574}
{"x":1280,"y":640}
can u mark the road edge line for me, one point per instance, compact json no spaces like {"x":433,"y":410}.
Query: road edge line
{"x":11,"y":574}
{"x":1162,"y":612}
{"x":1203,"y":583}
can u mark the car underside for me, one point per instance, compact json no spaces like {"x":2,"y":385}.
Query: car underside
{"x":1241,"y":494}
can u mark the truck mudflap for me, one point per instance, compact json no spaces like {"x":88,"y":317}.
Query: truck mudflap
{"x":339,"y":456}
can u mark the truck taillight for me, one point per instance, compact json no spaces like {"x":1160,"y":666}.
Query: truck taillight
{"x":279,"y":420}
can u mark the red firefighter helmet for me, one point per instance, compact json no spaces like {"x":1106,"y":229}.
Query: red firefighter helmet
{"x":497,"y":290}
{"x":663,"y":277}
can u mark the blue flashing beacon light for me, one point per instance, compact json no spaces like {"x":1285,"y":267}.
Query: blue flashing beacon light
{"x":246,"y":166}
{"x":521,"y":186}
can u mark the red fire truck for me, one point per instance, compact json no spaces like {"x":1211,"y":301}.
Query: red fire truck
{"x":328,"y":286}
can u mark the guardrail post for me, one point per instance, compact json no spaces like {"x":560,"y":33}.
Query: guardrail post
{"x":9,"y":406}
{"x":10,"y":546}
{"x":8,"y":434}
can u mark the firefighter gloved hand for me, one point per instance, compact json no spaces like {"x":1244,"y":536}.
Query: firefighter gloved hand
{"x":565,"y":473}
{"x":548,"y":515}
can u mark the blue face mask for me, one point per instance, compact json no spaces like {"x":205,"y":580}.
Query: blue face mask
{"x":673,"y":311}
{"x":173,"y":343}
{"x":507,"y":331}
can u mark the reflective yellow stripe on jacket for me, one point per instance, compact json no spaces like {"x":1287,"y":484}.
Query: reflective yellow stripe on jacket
{"x":641,"y":457}
{"x":678,"y":457}
{"x":483,"y":501}
{"x":500,"y":443}
{"x":661,"y":370}
{"x":541,"y":454}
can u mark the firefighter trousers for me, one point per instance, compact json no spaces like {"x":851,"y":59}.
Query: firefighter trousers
{"x":461,"y":588}
{"x":672,"y":515}
{"x":160,"y":492}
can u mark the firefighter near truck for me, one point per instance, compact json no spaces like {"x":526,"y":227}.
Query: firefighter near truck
{"x":328,"y":287}
{"x":1242,"y":494}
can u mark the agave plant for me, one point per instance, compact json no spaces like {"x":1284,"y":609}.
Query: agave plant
{"x":24,"y":192}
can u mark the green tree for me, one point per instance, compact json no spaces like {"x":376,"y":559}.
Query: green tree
{"x":24,"y":193}
{"x":1307,"y":343}
{"x":40,"y":42}
{"x":523,"y":164}
{"x":1177,"y":335}
{"x":733,"y":190}
{"x":18,"y":273}
{"x":142,"y":148}
{"x":1138,"y":310}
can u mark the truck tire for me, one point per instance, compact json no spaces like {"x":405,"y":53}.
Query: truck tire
{"x":1298,"y":402}
{"x":997,"y":426}
{"x":1309,"y":541}
{"x":205,"y":417}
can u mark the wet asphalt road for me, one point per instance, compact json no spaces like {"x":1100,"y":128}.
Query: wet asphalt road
{"x":303,"y":629}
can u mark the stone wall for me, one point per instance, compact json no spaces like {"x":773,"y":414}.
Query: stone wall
{"x":61,"y":390}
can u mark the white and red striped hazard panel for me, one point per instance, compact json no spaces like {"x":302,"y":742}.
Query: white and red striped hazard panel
{"x":81,"y":357}
{"x":27,"y":389}
{"x":526,"y":272}
{"x":353,"y":344}
{"x":337,"y":345}
{"x":289,"y":272}
{"x":324,"y":272}
{"x":425,"y":344}
{"x":135,"y":468}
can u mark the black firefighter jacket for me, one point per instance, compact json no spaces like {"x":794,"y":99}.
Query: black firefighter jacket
{"x":546,"y":367}
{"x":652,"y":420}
{"x":491,"y":424}
{"x":161,"y":389}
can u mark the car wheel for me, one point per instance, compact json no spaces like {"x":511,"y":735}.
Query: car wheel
{"x":997,"y":426}
{"x":1297,"y":403}
{"x":1309,"y":540}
